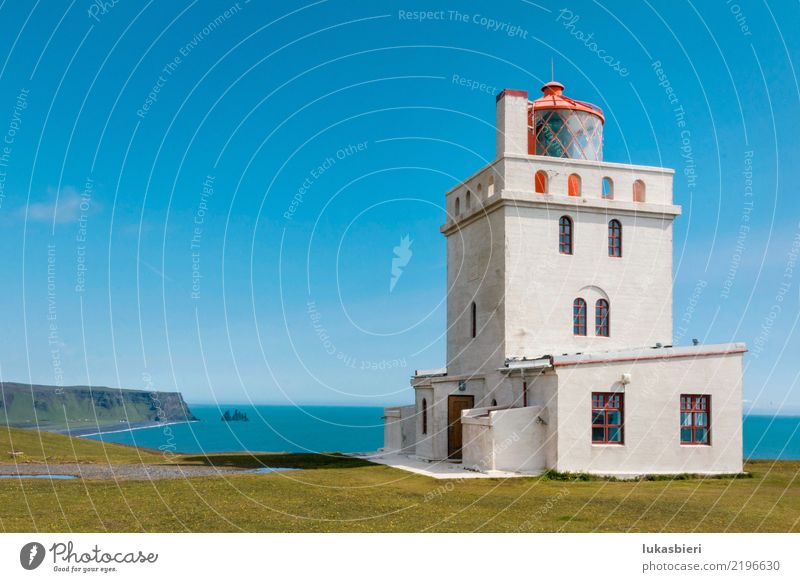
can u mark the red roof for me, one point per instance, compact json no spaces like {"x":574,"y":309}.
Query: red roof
{"x":554,"y":98}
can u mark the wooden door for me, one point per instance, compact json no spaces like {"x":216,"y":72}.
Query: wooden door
{"x":455,"y":404}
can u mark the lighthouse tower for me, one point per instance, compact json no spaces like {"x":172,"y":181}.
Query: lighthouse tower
{"x":559,"y":314}
{"x":556,"y":233}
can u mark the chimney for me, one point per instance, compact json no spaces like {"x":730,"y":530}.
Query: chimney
{"x":512,"y":122}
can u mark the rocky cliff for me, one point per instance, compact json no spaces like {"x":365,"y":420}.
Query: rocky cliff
{"x":75,"y":407}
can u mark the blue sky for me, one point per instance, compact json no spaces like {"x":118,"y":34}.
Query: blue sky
{"x":217,"y":188}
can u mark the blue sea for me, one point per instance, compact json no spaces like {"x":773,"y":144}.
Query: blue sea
{"x":346,"y":429}
{"x":350,"y":429}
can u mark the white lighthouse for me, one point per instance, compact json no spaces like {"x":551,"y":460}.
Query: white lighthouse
{"x":559,"y":316}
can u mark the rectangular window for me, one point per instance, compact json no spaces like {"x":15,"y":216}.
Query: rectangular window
{"x":601,"y":324}
{"x":607,"y":418}
{"x":565,"y":235}
{"x":579,"y":317}
{"x":614,"y":238}
{"x":695,"y":419}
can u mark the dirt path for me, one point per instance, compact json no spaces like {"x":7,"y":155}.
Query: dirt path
{"x":130,"y":471}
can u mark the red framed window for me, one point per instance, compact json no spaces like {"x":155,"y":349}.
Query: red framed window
{"x":614,"y":238}
{"x":565,"y":235}
{"x":540,"y":182}
{"x":607,"y":418}
{"x":574,"y":185}
{"x":601,"y":318}
{"x":638,"y":191}
{"x":695,"y":419}
{"x":579,"y":316}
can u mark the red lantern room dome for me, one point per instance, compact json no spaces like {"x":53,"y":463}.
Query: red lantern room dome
{"x":562,"y":127}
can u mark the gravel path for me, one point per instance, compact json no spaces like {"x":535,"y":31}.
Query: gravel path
{"x":135,"y":472}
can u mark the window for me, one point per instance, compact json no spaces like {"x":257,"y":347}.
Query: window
{"x":638,"y":191}
{"x":607,"y":419}
{"x":490,"y":187}
{"x":601,"y":315}
{"x":469,"y":200}
{"x":524,"y":394}
{"x":695,"y":419}
{"x":574,"y":185}
{"x":614,"y":238}
{"x":458,"y":206}
{"x":540,"y":181}
{"x":565,"y":235}
{"x":608,"y":188}
{"x":494,"y":402}
{"x":424,"y":416}
{"x":474,"y":322}
{"x":579,"y":317}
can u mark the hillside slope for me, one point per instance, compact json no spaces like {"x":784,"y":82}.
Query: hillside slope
{"x":74,"y":407}
{"x":32,"y":446}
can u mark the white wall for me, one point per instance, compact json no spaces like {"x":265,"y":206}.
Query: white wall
{"x":506,"y":439}
{"x":512,"y":122}
{"x":425,"y":442}
{"x":652,"y":417}
{"x":399,"y":429}
{"x":518,"y":175}
{"x":475,"y":273}
{"x":542,"y":283}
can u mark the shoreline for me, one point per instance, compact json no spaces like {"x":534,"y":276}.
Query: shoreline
{"x":111,"y":429}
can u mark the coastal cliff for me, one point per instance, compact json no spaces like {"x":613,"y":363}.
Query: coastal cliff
{"x":86,"y":408}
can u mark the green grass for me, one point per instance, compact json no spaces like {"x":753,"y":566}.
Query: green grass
{"x":337,"y":493}
{"x":37,"y":446}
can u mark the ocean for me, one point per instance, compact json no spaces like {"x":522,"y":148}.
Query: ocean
{"x":351,"y":429}
{"x":346,"y":429}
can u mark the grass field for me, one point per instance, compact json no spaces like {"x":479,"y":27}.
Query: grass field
{"x":37,"y":446}
{"x":334,"y":493}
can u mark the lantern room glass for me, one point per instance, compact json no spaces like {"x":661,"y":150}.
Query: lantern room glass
{"x":567,"y":133}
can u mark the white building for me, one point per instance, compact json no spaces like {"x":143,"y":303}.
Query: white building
{"x":559,"y":317}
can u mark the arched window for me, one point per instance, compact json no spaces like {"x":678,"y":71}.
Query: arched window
{"x":494,"y":402}
{"x":638,"y":191}
{"x":601,"y":318}
{"x":480,"y":190}
{"x":458,"y":206}
{"x":424,"y":416}
{"x":469,"y":200}
{"x":540,"y":181}
{"x":574,"y":185}
{"x":490,"y":187}
{"x":474,"y":319}
{"x":565,"y":235}
{"x":579,"y":316}
{"x":608,"y":188}
{"x":614,"y":238}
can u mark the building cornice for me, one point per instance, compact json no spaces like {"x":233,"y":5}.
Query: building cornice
{"x":645,"y":354}
{"x":569,"y":203}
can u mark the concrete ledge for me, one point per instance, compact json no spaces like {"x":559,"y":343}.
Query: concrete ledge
{"x":435,"y":469}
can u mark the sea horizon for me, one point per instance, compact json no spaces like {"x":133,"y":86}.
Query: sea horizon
{"x":358,"y":429}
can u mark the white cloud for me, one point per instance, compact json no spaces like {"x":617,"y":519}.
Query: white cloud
{"x":65,"y":206}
